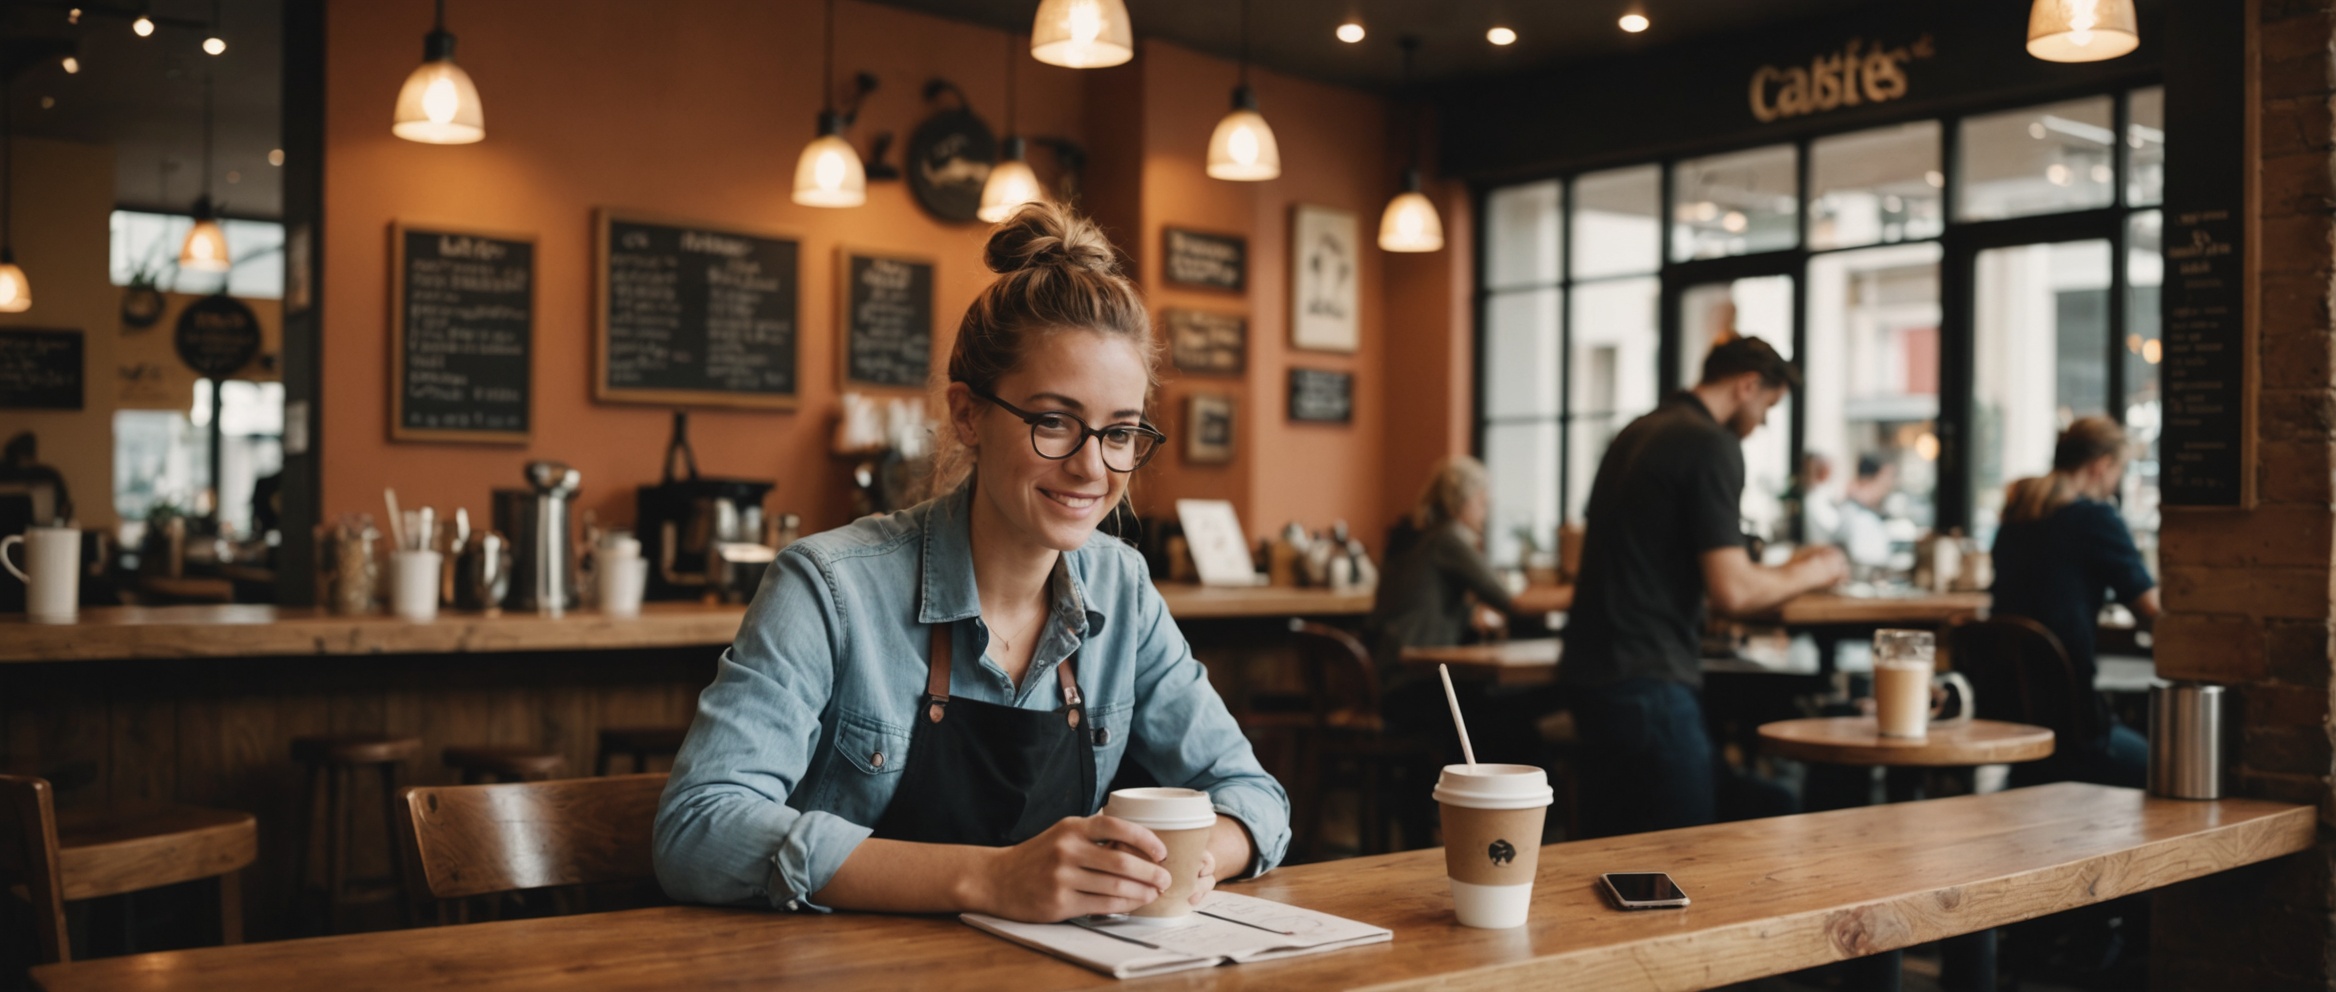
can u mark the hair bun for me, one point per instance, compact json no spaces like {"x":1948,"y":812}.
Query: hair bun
{"x":1041,"y":234}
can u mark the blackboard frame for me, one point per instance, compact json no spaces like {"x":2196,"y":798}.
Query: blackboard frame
{"x":398,"y":431}
{"x":1167,"y":270}
{"x":602,"y":392}
{"x":1169,"y":322}
{"x":80,"y":348}
{"x":1299,"y":372}
{"x":843,"y":317}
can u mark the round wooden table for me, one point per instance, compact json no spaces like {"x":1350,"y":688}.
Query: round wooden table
{"x":1858,"y":740}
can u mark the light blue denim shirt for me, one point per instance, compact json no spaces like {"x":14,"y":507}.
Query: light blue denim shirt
{"x":800,"y":741}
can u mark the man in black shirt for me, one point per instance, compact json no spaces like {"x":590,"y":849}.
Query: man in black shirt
{"x":1662,"y":538}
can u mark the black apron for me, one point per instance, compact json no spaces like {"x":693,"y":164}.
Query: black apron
{"x":981,"y":773}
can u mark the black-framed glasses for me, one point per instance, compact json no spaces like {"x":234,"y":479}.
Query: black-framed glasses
{"x":1056,"y":435}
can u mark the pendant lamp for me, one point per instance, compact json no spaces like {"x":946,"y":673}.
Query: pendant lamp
{"x":438,"y":105}
{"x":15,"y":289}
{"x":1011,"y":183}
{"x":1242,"y":149}
{"x":2081,"y":30}
{"x":1082,"y":34}
{"x":829,"y":173}
{"x":205,"y":249}
{"x":1411,"y":223}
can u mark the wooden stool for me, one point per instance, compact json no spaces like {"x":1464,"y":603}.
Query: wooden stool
{"x":336,"y":759}
{"x":503,"y":763}
{"x":107,"y":850}
{"x":640,"y":743}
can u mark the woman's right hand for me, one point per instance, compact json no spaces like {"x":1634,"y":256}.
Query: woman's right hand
{"x":1081,"y":865}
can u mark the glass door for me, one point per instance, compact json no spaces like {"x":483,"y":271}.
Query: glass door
{"x":1761,"y":306}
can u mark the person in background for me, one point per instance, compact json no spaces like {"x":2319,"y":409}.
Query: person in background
{"x":1864,"y":535}
{"x":1820,"y":508}
{"x":1663,"y":540}
{"x":2061,"y":552}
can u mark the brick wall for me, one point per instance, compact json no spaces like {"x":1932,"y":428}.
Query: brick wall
{"x":2248,"y":595}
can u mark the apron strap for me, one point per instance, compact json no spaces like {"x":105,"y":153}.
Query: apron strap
{"x":1070,"y":682}
{"x":937,"y":679}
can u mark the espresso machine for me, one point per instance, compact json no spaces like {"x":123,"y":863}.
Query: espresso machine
{"x":704,"y":537}
{"x":543,"y":552}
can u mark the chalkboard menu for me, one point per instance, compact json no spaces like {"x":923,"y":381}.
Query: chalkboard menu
{"x":40,"y":369}
{"x":2203,"y":452}
{"x":694,"y":314}
{"x":462,"y":334}
{"x":1211,"y":261}
{"x":885,"y":304}
{"x":217,"y":336}
{"x":1321,"y":396}
{"x":1200,"y":341}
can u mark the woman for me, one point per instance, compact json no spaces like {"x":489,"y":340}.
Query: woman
{"x":922,"y":711}
{"x":2061,"y":551}
{"x":1434,"y":565}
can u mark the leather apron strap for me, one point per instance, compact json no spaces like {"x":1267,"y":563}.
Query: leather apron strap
{"x":938,"y":663}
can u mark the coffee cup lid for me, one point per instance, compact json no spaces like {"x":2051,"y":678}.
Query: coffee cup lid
{"x":1494,"y":786}
{"x":1163,"y":808}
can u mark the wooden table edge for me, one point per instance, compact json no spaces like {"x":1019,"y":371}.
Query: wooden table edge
{"x":1908,"y":755}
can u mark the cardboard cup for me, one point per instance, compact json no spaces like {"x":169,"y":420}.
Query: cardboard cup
{"x":1183,"y":819}
{"x":1185,"y":848}
{"x":1492,"y":840}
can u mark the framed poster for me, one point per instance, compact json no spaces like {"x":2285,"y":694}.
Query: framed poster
{"x":41,"y":369}
{"x":1208,"y":428}
{"x":1201,"y":341}
{"x":884,"y":306}
{"x":461,"y":334}
{"x":689,"y":314}
{"x":1320,"y":396}
{"x":1325,"y":246}
{"x":1204,"y":260}
{"x":1220,"y":551}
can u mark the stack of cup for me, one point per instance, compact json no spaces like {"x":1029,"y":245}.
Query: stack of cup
{"x":1492,"y":839}
{"x":622,"y":574}
{"x":1183,"y":819}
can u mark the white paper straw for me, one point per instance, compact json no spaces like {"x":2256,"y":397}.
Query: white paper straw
{"x":397,"y":528}
{"x":1453,"y":698}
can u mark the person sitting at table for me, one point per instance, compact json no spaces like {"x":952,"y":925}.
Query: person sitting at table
{"x":2062,"y":550}
{"x":922,"y":711}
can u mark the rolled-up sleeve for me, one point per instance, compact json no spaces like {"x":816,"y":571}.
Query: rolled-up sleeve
{"x":1185,"y":737}
{"x":725,"y":834}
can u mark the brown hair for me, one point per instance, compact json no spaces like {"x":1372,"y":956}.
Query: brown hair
{"x":2087,"y":440}
{"x":1056,"y":272}
{"x":1736,"y":356}
{"x":1455,"y":481}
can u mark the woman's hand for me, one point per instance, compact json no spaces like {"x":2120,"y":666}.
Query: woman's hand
{"x":1207,"y":882}
{"x":1075,"y":868}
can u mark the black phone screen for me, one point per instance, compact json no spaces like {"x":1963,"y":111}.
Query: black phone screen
{"x":1644,"y":886}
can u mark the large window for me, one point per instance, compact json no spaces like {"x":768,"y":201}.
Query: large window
{"x":1839,"y":251}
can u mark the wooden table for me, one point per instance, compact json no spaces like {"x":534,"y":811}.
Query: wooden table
{"x":1771,"y":896}
{"x":1191,"y":601}
{"x":1830,"y":609}
{"x":1527,"y":662}
{"x":1858,"y":740}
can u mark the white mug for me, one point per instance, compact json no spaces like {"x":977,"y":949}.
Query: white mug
{"x":51,"y":572}
{"x":414,"y":592}
{"x":622,"y":580}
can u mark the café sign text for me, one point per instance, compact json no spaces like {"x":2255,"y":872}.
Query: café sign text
{"x":1861,"y":72}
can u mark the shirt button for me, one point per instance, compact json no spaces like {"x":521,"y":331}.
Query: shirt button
{"x":1103,"y":735}
{"x":877,"y":759}
{"x":793,"y":905}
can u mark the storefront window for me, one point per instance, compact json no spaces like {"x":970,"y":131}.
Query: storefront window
{"x":1760,"y":307}
{"x":2042,"y":327}
{"x":2144,"y":348}
{"x":2038,"y":160}
{"x":1524,"y":234}
{"x":1521,"y":328}
{"x":1870,"y":441}
{"x":1876,"y":187}
{"x":1617,"y":223}
{"x":1735,"y":204}
{"x":1613,"y":363}
{"x":2145,"y":147}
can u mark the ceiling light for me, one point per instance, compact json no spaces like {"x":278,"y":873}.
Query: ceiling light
{"x":2153,"y":351}
{"x":1734,"y":222}
{"x":1082,"y":34}
{"x":1410,"y":222}
{"x":275,"y":156}
{"x":143,"y":26}
{"x":1935,"y":179}
{"x":439,"y":105}
{"x":829,"y":173}
{"x":214,"y":45}
{"x":1011,"y":183}
{"x":15,"y":289}
{"x":2081,"y":30}
{"x":1350,"y":32}
{"x":1501,"y":36}
{"x":1242,"y":148}
{"x":1633,"y":22}
{"x":2056,"y":174}
{"x":73,"y":15}
{"x":205,"y":249}
{"x":72,"y":65}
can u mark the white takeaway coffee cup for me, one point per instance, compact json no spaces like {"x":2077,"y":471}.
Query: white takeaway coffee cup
{"x":1183,"y":819}
{"x":1492,"y":839}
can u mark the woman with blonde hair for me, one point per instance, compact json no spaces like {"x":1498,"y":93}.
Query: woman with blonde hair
{"x":2062,"y":551}
{"x":1435,"y":564}
{"x":922,"y":711}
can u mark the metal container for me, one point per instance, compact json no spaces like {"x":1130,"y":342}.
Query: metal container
{"x":543,"y":552}
{"x":2186,"y":741}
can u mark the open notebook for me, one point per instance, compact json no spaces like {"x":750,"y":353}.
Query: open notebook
{"x":1229,"y":929}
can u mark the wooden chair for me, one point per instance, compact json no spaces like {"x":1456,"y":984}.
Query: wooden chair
{"x":475,"y":840}
{"x":1344,"y":727}
{"x":88,"y":852}
{"x":2021,"y":673}
{"x":334,"y":762}
{"x":503,"y":762}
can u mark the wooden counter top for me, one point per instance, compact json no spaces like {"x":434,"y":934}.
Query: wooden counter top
{"x":1825,"y":609}
{"x":1191,"y":601}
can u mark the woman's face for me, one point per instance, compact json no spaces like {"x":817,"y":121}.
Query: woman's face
{"x":1476,"y":509}
{"x":1052,"y":503}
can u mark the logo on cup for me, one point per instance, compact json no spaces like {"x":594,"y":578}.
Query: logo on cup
{"x":1502,"y":852}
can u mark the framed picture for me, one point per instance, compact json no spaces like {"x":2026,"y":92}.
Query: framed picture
{"x":1201,"y":341}
{"x":1205,"y":260}
{"x":1208,"y":428}
{"x":1325,"y":247}
{"x":884,"y":308}
{"x":1321,"y":396}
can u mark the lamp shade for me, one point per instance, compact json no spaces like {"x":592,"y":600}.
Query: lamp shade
{"x":15,"y":289}
{"x":829,"y":174}
{"x":1010,"y":185}
{"x":439,"y":106}
{"x":2081,"y":30}
{"x":1411,"y":224}
{"x":1242,"y":148}
{"x":1082,"y":34}
{"x":205,"y":249}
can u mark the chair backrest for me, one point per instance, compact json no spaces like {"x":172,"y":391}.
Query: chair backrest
{"x":28,"y":855}
{"x":2021,"y":673}
{"x":468,"y":840}
{"x":1342,"y":683}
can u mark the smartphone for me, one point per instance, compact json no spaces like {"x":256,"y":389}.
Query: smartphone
{"x":1643,"y":890}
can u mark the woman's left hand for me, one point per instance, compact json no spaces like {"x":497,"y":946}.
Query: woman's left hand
{"x":1208,"y":877}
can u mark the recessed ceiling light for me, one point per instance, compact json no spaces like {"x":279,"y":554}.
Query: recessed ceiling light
{"x":143,"y":26}
{"x":275,"y":156}
{"x":72,"y":65}
{"x":1350,"y":32}
{"x":1633,"y":22}
{"x":215,"y":45}
{"x":1501,"y":36}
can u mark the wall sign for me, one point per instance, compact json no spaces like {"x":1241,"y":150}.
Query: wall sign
{"x":1208,"y":343}
{"x":1320,"y":396}
{"x":40,"y":369}
{"x":1325,"y":248}
{"x":462,"y":335}
{"x":217,"y":336}
{"x":1207,"y":261}
{"x":1208,"y":428}
{"x":949,"y":157}
{"x":885,"y":306}
{"x":2204,"y":452}
{"x":694,"y":314}
{"x":1861,"y":72}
